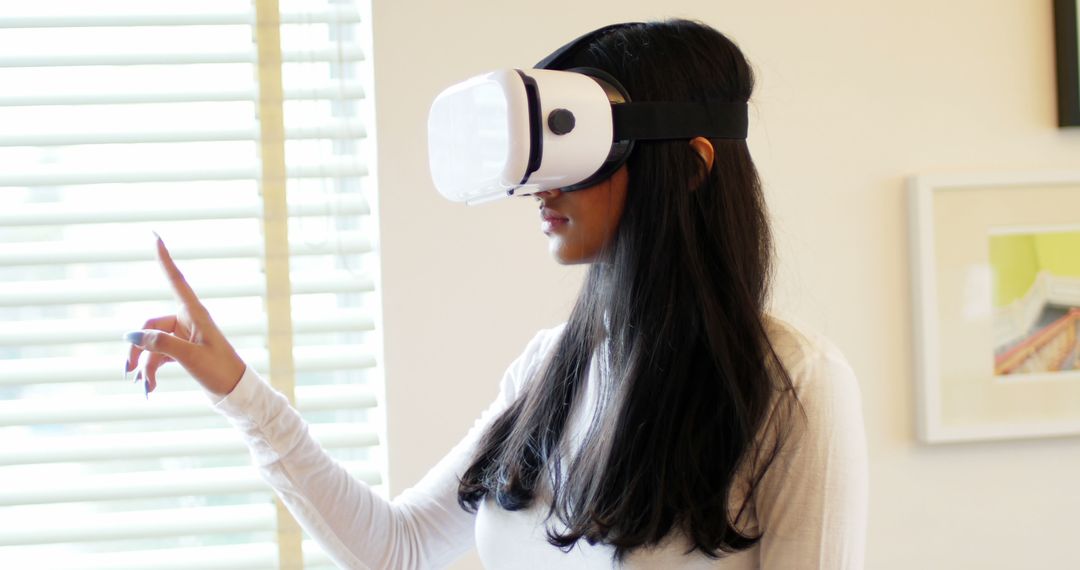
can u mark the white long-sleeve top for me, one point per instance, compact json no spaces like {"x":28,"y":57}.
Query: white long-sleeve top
{"x":811,"y":504}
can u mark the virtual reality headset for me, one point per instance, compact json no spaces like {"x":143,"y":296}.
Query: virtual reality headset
{"x":513,"y":131}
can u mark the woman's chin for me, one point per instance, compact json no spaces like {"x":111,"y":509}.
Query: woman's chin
{"x":563,"y":254}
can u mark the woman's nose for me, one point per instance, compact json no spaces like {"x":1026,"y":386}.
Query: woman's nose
{"x":547,"y":194}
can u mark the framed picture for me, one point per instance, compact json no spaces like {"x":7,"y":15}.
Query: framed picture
{"x":1067,"y":47}
{"x":996,"y":296}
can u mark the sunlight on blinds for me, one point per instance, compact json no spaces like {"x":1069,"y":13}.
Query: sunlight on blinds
{"x":135,"y":117}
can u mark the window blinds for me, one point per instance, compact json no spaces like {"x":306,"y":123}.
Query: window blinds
{"x":134,"y":117}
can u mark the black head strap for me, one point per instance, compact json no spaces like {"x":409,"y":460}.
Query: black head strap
{"x":654,"y":120}
{"x":648,"y":120}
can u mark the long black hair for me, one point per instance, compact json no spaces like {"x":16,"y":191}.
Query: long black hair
{"x":675,"y":313}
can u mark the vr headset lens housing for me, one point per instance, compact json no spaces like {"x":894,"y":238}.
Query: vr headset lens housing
{"x":469,"y":136}
{"x":515,"y":132}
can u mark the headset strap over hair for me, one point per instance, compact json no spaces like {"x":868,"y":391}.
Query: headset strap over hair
{"x":647,"y":120}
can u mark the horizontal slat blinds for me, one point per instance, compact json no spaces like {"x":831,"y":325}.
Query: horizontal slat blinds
{"x":36,"y":214}
{"x":335,"y":14}
{"x":342,"y":91}
{"x":345,"y":54}
{"x":133,"y":118}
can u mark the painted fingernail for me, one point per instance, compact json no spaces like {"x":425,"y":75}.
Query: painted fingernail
{"x":146,"y":388}
{"x":135,"y":337}
{"x":126,"y":363}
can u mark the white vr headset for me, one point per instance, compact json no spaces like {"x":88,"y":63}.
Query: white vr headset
{"x":514,"y":132}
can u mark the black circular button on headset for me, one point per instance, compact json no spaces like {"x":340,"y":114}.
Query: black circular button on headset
{"x":561,"y":121}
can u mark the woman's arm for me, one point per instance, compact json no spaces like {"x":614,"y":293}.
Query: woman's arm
{"x":812,"y":501}
{"x":422,"y":528}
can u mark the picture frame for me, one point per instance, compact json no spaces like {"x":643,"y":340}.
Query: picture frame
{"x":1067,"y":52}
{"x":980,"y":304}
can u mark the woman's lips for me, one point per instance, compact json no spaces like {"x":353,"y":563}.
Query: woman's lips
{"x":551,"y":220}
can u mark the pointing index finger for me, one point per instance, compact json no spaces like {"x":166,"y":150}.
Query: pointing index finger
{"x":176,"y":279}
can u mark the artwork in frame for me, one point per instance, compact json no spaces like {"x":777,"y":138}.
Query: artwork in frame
{"x":995,"y":265}
{"x":1067,"y":56}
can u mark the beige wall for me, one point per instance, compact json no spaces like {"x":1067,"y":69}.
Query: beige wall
{"x":853,"y":97}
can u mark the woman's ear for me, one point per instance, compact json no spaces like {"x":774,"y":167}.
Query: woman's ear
{"x":704,"y":148}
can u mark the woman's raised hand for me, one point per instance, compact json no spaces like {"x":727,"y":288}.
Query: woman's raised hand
{"x":189,"y":337}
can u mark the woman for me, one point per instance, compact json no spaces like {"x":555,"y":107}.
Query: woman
{"x":670,"y":423}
